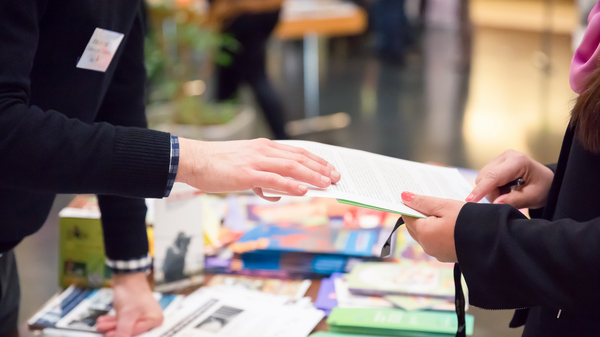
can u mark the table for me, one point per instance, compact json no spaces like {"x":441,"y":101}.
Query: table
{"x":307,"y":20}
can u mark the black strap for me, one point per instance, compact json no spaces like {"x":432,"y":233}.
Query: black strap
{"x":386,"y":250}
{"x":459,"y":300}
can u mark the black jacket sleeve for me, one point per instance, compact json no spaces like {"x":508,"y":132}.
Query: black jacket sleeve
{"x":124,"y":219}
{"x":537,"y":213}
{"x":47,"y":152}
{"x":510,"y":262}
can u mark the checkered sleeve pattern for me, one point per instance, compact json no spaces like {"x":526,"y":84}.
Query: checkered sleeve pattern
{"x":130,"y":266}
{"x":173,"y":165}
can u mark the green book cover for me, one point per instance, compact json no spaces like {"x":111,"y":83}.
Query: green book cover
{"x":81,"y":257}
{"x":405,"y":278}
{"x":394,"y":322}
{"x":334,"y":334}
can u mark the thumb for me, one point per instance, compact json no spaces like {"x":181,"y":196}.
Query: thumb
{"x":421,"y":203}
{"x":514,"y":198}
{"x":125,"y":324}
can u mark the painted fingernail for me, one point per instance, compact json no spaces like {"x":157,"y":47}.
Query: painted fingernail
{"x":303,"y":189}
{"x":499,"y":202}
{"x":335,"y":174}
{"x":470,"y":197}
{"x":325,"y":180}
{"x":407,"y":196}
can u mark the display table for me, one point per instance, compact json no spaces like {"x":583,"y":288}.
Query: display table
{"x":309,"y":19}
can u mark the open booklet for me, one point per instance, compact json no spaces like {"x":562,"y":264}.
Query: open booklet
{"x":375,"y":181}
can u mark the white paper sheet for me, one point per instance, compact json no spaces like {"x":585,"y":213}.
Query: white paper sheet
{"x":379,"y":181}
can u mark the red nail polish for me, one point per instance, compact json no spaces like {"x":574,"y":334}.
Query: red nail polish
{"x":407,"y":196}
{"x":470,"y":197}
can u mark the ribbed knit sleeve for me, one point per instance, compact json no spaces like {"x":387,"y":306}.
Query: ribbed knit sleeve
{"x":141,"y":161}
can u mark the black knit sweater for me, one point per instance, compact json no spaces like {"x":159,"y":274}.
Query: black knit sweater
{"x":70,"y":130}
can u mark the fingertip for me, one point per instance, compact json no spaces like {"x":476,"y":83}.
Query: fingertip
{"x":335,"y":176}
{"x":470,"y":197}
{"x":407,"y":196}
{"x":302,"y":189}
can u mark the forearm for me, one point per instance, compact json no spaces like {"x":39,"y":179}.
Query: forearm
{"x":125,"y":235}
{"x":511,"y":262}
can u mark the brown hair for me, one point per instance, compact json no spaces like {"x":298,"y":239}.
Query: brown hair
{"x":586,"y":114}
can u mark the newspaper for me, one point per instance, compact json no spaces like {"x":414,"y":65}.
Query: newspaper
{"x":233,"y":311}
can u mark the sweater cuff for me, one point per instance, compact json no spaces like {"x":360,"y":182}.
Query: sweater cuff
{"x":141,"y":162}
{"x":138,"y":265}
{"x":173,"y":165}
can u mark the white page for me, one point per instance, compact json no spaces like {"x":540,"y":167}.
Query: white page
{"x":235,"y":312}
{"x":379,"y":181}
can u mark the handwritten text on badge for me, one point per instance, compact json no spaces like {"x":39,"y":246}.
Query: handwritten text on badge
{"x":100,"y":50}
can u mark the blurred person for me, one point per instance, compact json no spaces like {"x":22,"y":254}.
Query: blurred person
{"x":250,"y":22}
{"x":546,"y":267}
{"x":392,"y":30}
{"x":72,"y":82}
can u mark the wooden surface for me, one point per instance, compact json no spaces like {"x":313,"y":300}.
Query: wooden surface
{"x":312,"y":292}
{"x":355,"y":23}
{"x":525,"y":15}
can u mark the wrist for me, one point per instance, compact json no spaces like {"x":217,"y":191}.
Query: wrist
{"x":130,"y":280}
{"x":189,"y":163}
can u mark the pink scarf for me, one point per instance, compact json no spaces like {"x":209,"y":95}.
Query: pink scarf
{"x":587,"y":55}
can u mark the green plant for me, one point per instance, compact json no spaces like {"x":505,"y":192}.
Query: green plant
{"x":180,"y":51}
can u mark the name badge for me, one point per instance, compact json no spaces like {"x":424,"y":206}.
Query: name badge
{"x":100,"y":51}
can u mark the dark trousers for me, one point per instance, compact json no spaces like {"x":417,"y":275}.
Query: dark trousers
{"x":391,"y":26}
{"x":248,"y":66}
{"x":10,"y":294}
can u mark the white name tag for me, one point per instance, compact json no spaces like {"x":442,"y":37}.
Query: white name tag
{"x":100,"y":50}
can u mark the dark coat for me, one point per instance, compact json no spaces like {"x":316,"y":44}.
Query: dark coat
{"x":547,"y":265}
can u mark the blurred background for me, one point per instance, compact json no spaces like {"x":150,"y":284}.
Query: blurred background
{"x":454,"y":82}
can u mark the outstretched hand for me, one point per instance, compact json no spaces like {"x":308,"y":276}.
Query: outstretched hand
{"x":507,"y":167}
{"x":252,"y":164}
{"x":136,"y":309}
{"x":436,"y":232}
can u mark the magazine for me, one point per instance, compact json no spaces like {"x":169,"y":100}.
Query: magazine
{"x":233,"y":311}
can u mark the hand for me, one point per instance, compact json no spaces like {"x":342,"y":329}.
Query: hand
{"x":137,"y":310}
{"x":251,"y":164}
{"x":507,"y":167}
{"x":436,"y":232}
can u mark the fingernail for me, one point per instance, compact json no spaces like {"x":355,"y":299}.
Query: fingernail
{"x":499,"y":202}
{"x":407,"y":196}
{"x":335,"y":174}
{"x":470,"y":197}
{"x":303,"y":189}
{"x":325,"y":180}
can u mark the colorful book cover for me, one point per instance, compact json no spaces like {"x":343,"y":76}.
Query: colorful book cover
{"x":311,"y":211}
{"x":99,"y":302}
{"x":178,"y":239}
{"x":382,"y":278}
{"x":346,"y":299}
{"x":58,"y":307}
{"x":294,"y":289}
{"x":409,"y":303}
{"x":311,"y":239}
{"x":81,"y":257}
{"x":394,"y":322}
{"x":326,"y":298}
